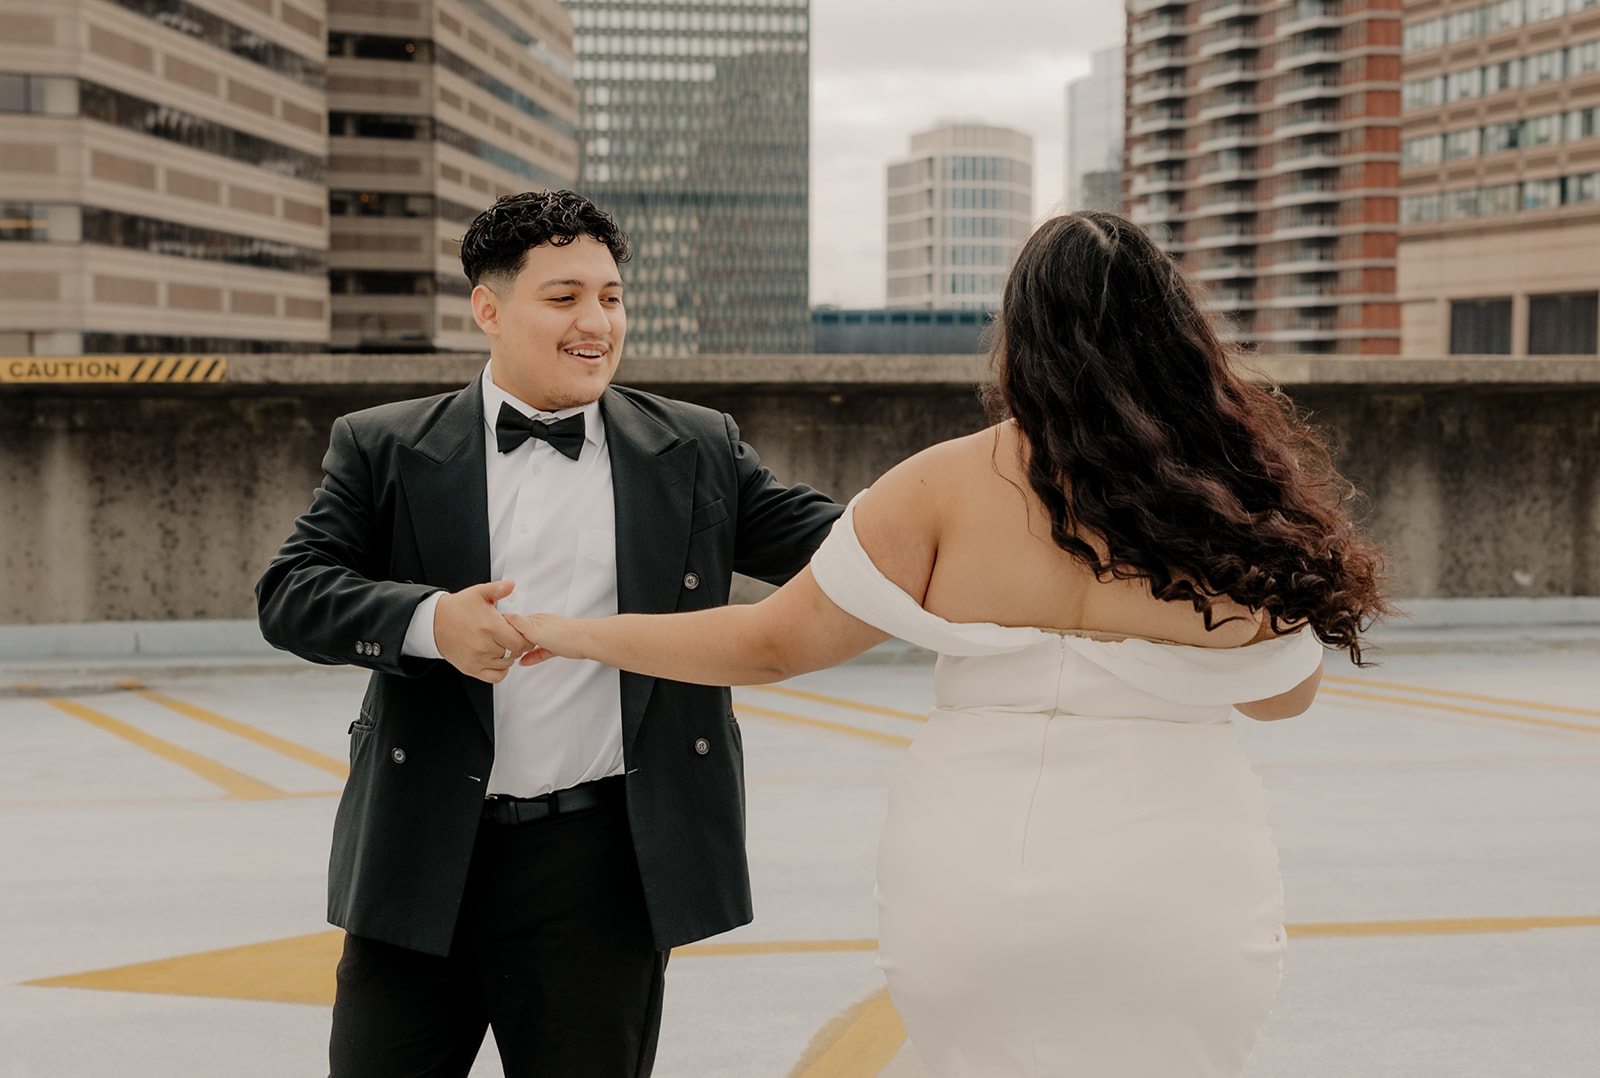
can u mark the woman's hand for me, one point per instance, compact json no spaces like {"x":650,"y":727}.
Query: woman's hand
{"x":548,"y":637}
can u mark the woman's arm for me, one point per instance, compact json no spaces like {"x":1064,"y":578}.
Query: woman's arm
{"x":794,"y":630}
{"x":1286,"y":704}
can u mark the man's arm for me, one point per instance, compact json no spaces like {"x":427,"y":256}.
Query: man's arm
{"x":323,"y":597}
{"x":778,"y":527}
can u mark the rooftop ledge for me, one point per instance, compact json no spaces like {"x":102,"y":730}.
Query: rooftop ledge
{"x":355,"y":369}
{"x":435,"y":370}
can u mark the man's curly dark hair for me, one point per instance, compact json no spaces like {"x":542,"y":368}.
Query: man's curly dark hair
{"x":499,"y":239}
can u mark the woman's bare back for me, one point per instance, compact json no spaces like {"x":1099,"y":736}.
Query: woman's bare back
{"x":958,"y":527}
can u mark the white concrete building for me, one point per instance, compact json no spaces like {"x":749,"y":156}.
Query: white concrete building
{"x":958,"y":206}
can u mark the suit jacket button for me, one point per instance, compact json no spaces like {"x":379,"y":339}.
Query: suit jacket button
{"x":376,"y":649}
{"x":361,"y":647}
{"x":702,"y":746}
{"x":398,"y":755}
{"x":691,"y":580}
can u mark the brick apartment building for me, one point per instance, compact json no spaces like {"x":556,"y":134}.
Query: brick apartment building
{"x":1262,"y":147}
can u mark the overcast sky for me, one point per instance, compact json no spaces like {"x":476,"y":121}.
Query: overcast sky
{"x":881,"y":69}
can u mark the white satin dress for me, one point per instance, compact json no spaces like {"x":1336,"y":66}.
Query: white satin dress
{"x":1076,"y":877}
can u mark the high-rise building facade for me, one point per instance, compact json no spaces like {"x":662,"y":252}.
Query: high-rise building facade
{"x":958,"y":207}
{"x":1094,"y":134}
{"x":162,"y":182}
{"x":695,"y":134}
{"x":1263,"y":149}
{"x":1500,"y":178}
{"x":435,"y":108}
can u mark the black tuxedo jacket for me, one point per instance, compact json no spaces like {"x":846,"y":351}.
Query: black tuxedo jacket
{"x":401,"y":513}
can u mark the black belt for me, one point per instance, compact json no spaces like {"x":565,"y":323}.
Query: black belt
{"x":498,"y":808}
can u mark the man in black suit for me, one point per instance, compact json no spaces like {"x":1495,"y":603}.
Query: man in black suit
{"x":522,"y":846}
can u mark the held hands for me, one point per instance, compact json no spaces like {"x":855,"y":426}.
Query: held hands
{"x":547,"y":636}
{"x":473,"y":636}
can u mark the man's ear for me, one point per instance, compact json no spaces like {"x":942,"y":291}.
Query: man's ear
{"x":486,"y":310}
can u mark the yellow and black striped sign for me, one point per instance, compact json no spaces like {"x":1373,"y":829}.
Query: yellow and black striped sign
{"x":61,"y":369}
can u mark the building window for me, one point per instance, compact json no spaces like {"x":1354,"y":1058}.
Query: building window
{"x":1480,"y":327}
{"x":1563,"y":325}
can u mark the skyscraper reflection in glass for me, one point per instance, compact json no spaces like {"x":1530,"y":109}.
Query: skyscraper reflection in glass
{"x":694,"y":132}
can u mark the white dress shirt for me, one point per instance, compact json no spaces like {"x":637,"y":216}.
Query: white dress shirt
{"x":552,"y":530}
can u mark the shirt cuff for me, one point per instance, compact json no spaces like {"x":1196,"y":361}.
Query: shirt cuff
{"x":419,"y":634}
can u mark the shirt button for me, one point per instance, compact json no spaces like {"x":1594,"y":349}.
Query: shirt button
{"x":398,"y":755}
{"x":523,"y":529}
{"x":534,"y":468}
{"x":691,"y":580}
{"x":701,"y":746}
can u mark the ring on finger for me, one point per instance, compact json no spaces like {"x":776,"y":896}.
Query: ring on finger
{"x":507,"y":655}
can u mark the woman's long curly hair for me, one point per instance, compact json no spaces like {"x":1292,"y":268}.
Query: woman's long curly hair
{"x":1142,"y":435}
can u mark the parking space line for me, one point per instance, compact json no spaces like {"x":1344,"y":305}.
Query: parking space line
{"x":1460,"y":710}
{"x":839,"y":701}
{"x":322,"y":762}
{"x":236,"y":783}
{"x":821,"y":724}
{"x":1463,"y":695}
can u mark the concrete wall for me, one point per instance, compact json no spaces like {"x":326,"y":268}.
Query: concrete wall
{"x":160,"y":502}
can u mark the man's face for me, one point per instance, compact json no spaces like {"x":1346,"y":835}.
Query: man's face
{"x":556,"y":331}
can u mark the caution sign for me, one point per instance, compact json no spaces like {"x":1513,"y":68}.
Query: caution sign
{"x":60,"y":369}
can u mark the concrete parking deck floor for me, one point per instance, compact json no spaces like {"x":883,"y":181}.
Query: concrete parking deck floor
{"x":163,"y":849}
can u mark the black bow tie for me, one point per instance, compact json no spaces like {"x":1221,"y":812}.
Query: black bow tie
{"x":512,"y":428}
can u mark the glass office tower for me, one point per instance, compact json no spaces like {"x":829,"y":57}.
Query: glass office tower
{"x":694,"y":132}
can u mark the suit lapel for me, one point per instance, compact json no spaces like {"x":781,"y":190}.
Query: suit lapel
{"x":652,"y":477}
{"x":446,"y":487}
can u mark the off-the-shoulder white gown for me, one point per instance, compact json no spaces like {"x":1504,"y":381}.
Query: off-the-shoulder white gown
{"x":1076,"y":876}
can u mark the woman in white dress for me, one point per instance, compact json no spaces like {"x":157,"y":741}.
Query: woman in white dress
{"x":1075,"y":877}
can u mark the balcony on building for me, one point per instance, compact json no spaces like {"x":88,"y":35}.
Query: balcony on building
{"x":1313,"y":47}
{"x":1227,"y":200}
{"x":1150,"y":121}
{"x":1170,"y":23}
{"x":1153,"y":58}
{"x":1224,"y":233}
{"x":1307,"y":120}
{"x":1229,"y":37}
{"x":1226,"y":265}
{"x":1232,"y":298}
{"x":1306,"y":224}
{"x":1237,"y":102}
{"x":1228,"y":136}
{"x":1306,"y":15}
{"x":1309,"y":85}
{"x":1158,"y":182}
{"x":1221,"y":10}
{"x":1153,"y":150}
{"x":1227,"y":71}
{"x":1157,"y":89}
{"x":1227,"y":165}
{"x":1311,"y":153}
{"x":1309,"y":187}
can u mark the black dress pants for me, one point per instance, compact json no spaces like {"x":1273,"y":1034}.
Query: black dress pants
{"x":552,"y":948}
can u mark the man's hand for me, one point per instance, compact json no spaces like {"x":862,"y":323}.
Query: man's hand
{"x":473,"y":636}
{"x":546,"y":636}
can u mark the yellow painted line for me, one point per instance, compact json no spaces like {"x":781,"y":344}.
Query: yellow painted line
{"x":1535,"y":705}
{"x":295,"y":970}
{"x":1458,"y":709}
{"x":857,"y":1044}
{"x":821,"y":724}
{"x":236,"y":783}
{"x":301,"y":970}
{"x":1449,"y":927}
{"x":756,"y":947}
{"x":839,"y":701}
{"x":330,"y":764}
